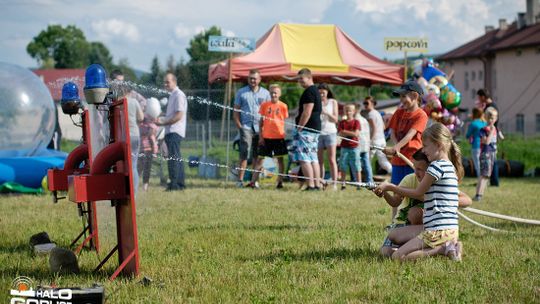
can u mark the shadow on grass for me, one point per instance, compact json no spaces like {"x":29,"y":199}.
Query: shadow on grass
{"x":253,"y":227}
{"x":314,"y":256}
{"x":43,"y":273}
{"x":16,"y":248}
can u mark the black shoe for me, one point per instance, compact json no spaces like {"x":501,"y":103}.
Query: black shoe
{"x":279,"y":185}
{"x":311,"y":189}
{"x":343,"y":187}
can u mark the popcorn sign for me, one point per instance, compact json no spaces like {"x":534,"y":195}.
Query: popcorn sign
{"x":406,"y":44}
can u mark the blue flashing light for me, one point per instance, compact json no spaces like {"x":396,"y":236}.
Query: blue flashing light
{"x":70,"y":91}
{"x":95,"y":77}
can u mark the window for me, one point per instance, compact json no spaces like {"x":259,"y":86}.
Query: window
{"x":480,"y":75}
{"x":473,"y":94}
{"x":473,"y":75}
{"x":537,"y":123}
{"x":466,"y":80}
{"x":520,"y":123}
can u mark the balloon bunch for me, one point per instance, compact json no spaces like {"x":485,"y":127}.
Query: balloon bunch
{"x":441,"y":98}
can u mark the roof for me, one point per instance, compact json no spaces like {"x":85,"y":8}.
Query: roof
{"x":325,"y":49}
{"x":54,"y":79}
{"x":496,"y":40}
{"x":529,"y":36}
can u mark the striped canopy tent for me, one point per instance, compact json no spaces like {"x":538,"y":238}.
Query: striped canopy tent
{"x":330,"y":54}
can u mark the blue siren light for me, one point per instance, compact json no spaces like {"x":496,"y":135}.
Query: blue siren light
{"x":96,"y":87}
{"x":70,"y":91}
{"x":95,"y":77}
{"x":70,"y":103}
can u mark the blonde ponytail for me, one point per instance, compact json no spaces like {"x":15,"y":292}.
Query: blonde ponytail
{"x":440,"y":135}
{"x":455,"y":157}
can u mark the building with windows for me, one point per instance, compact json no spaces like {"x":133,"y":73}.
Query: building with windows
{"x":506,"y":61}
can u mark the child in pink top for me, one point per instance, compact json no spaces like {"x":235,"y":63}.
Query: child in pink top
{"x":148,"y":130}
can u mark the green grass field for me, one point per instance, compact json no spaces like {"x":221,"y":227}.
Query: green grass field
{"x":213,"y":243}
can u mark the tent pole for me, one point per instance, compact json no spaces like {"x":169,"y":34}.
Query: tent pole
{"x":229,"y":96}
{"x":405,"y":71}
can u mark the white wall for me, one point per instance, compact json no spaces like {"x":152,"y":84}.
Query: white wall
{"x":518,"y":87}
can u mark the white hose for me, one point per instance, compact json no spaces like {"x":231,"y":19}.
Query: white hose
{"x":468,"y":219}
{"x":502,"y":217}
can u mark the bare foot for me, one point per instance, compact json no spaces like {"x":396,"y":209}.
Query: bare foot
{"x":453,"y":251}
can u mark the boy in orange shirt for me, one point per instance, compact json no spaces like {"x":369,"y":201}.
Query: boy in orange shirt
{"x":272,"y":140}
{"x":407,"y":124}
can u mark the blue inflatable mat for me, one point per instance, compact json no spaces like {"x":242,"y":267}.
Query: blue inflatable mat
{"x":28,"y":171}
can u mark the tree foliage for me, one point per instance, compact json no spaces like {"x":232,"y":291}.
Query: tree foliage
{"x":100,"y":54}
{"x":66,"y":47}
{"x":200,"y":59}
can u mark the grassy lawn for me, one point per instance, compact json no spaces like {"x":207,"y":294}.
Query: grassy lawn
{"x":214,"y":243}
{"x":513,"y":147}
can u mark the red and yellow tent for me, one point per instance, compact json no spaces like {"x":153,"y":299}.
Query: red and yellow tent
{"x":326,"y":50}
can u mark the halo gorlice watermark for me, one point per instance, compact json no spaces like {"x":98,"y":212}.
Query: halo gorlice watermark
{"x":24,"y":291}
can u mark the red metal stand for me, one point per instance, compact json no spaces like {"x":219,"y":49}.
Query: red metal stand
{"x":110,"y":178}
{"x":57,"y":180}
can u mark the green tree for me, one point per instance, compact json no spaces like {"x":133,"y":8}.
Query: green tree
{"x":200,"y":59}
{"x":183,"y":74}
{"x":100,"y":54}
{"x":155,"y":76}
{"x":198,"y":47}
{"x":66,"y":47}
{"x":290,"y":93}
{"x":170,"y":66}
{"x":127,"y":70}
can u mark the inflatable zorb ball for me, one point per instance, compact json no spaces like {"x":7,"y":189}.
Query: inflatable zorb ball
{"x":27,"y":113}
{"x":153,"y":108}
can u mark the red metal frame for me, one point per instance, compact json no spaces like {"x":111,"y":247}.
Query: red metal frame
{"x":57,"y":180}
{"x":117,"y":186}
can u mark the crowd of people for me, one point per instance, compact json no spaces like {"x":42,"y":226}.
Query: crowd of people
{"x":425,"y":162}
{"x":318,"y":131}
{"x":144,"y":126}
{"x":424,"y":196}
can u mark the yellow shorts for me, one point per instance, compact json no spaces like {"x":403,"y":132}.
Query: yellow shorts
{"x":434,"y":238}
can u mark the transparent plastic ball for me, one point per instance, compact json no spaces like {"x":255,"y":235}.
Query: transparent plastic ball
{"x":27,"y":112}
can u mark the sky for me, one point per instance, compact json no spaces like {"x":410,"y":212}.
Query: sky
{"x":140,"y":29}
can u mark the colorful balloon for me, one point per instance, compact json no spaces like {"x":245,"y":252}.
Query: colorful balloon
{"x":450,"y":96}
{"x":439,"y":81}
{"x":433,"y":89}
{"x":429,"y":71}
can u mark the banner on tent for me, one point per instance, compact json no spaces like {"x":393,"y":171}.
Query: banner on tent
{"x":406,"y":44}
{"x":231,"y":44}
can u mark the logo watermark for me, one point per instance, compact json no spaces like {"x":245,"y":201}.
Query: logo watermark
{"x":24,"y":291}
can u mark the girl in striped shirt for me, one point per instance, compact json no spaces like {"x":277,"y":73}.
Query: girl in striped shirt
{"x":439,"y":191}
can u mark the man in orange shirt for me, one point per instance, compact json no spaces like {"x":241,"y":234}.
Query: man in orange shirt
{"x":272,"y":140}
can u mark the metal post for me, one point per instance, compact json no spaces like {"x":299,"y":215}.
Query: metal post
{"x":406,"y":66}
{"x":228,"y":94}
